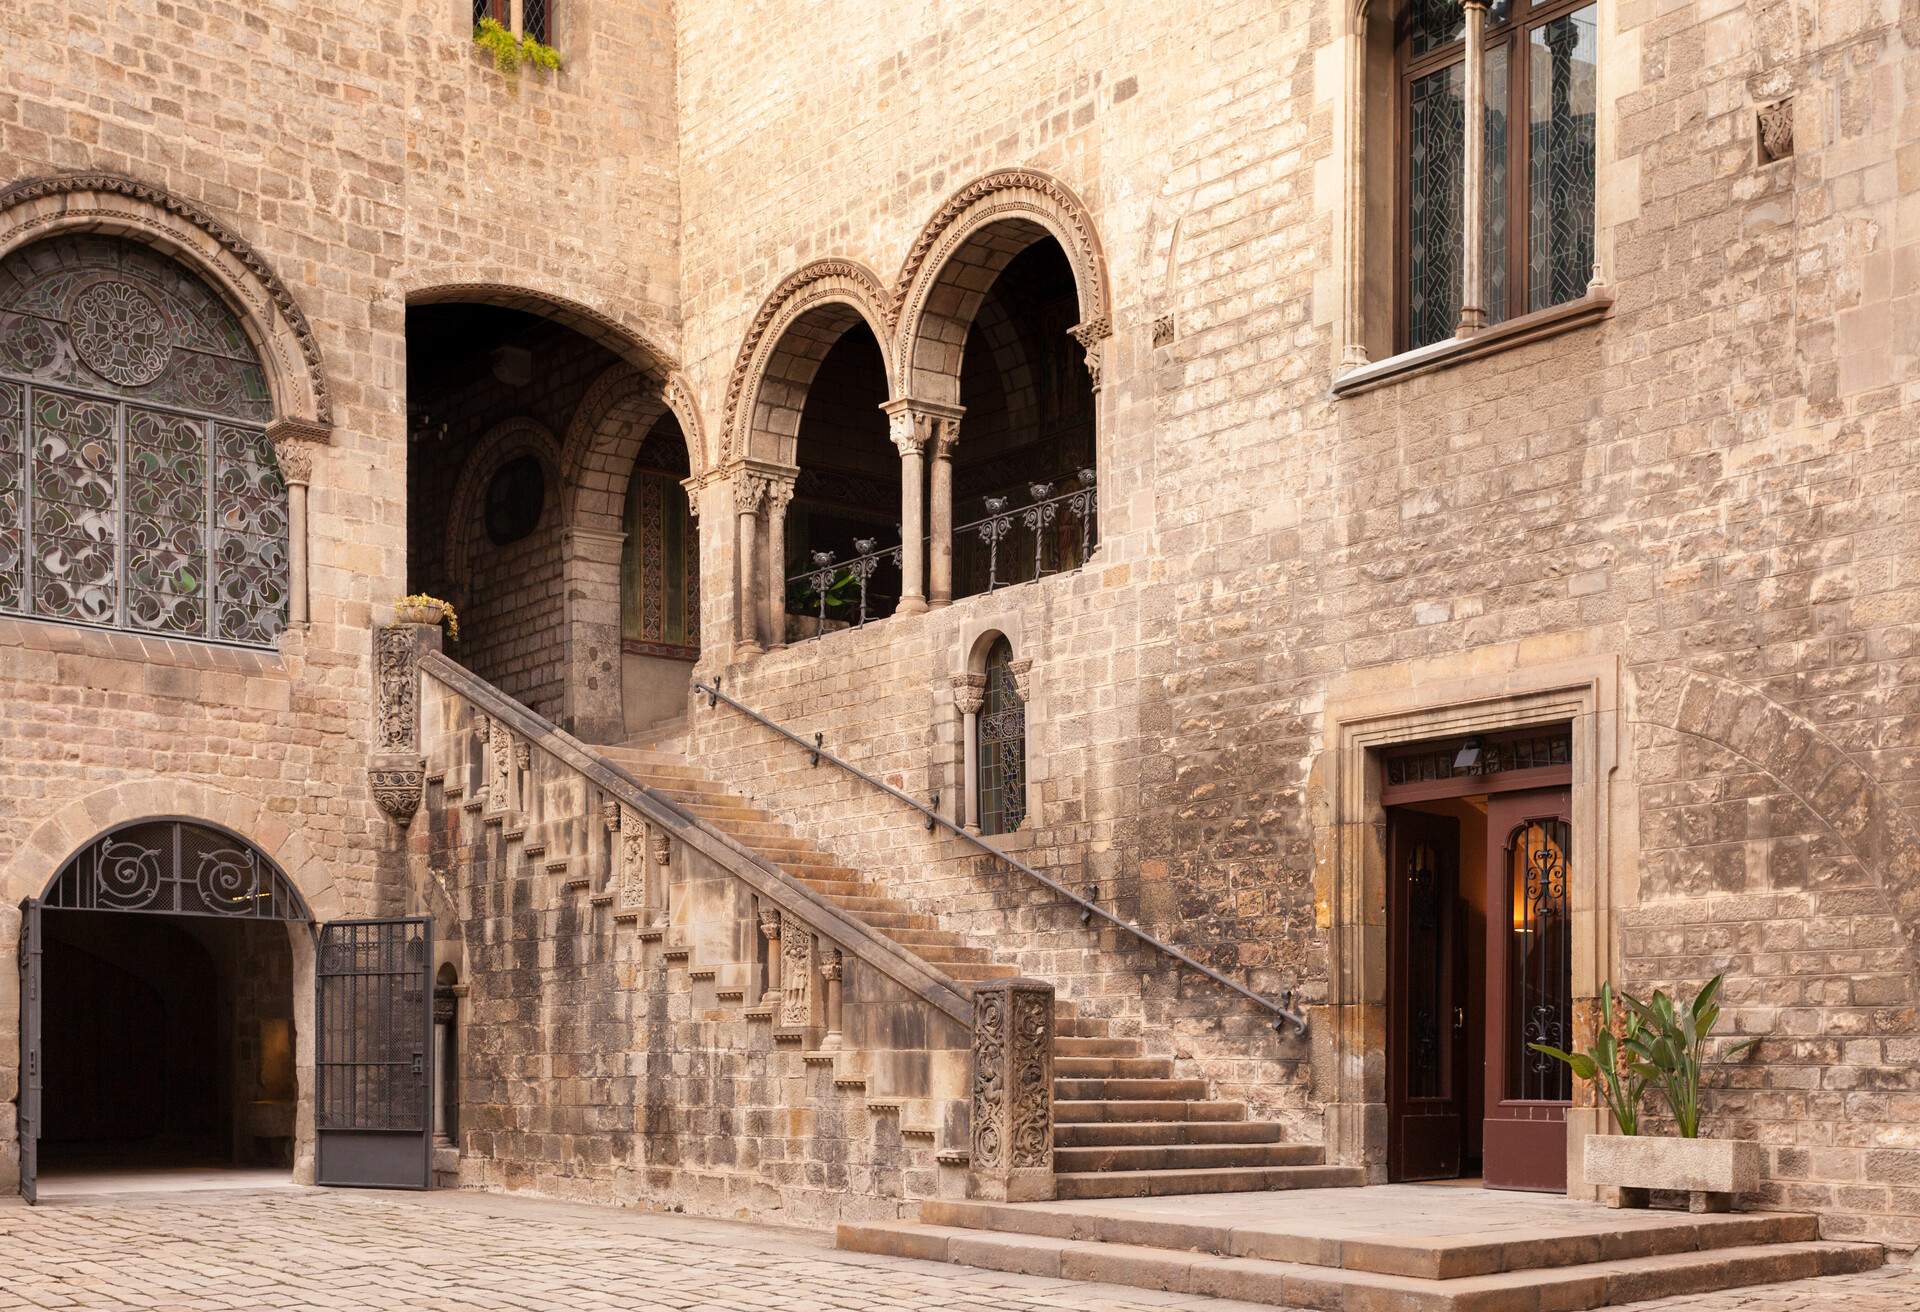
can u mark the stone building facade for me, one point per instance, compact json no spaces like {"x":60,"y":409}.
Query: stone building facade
{"x":835,"y":286}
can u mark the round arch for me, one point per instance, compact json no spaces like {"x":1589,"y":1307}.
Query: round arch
{"x":797,"y":324}
{"x":626,"y":336}
{"x":608,"y":427}
{"x":35,"y":209}
{"x":504,"y":442}
{"x":80,"y":884}
{"x":952,"y":264}
{"x":58,"y":838}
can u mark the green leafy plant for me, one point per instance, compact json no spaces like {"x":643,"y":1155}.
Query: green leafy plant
{"x":1662,"y":1044}
{"x":803,"y":597}
{"x":509,"y":51}
{"x":421,"y":601}
{"x":1609,"y":1062}
{"x":1672,"y":1047}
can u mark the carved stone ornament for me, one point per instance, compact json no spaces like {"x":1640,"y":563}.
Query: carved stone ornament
{"x":633,"y":860}
{"x":397,"y":790}
{"x":1776,"y":131}
{"x":1163,"y":330}
{"x":910,"y":430}
{"x":749,"y":491}
{"x":1021,"y":668}
{"x":1012,"y":1087}
{"x":779,"y":494}
{"x":830,"y":965}
{"x":770,"y":926}
{"x":76,"y":185}
{"x":294,"y":455}
{"x":610,"y":814}
{"x":969,"y":692}
{"x":796,"y":971}
{"x":662,"y":845}
{"x":397,"y":685}
{"x":1092,"y":337}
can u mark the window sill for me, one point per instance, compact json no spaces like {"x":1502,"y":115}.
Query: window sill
{"x":1538,"y":326}
{"x":64,"y":639}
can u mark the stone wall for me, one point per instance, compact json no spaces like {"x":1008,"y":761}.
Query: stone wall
{"x":1708,"y":480}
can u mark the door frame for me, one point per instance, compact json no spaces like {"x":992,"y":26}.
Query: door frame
{"x":1484,"y":691}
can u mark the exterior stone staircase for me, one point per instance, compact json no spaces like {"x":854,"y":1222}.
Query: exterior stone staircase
{"x":1125,"y":1124}
{"x":1404,"y":1248}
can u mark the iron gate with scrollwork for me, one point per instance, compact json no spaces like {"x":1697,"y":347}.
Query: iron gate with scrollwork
{"x":373,"y":987}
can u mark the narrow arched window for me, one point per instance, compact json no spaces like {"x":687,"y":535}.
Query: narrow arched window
{"x":137,"y":486}
{"x":1002,"y":746}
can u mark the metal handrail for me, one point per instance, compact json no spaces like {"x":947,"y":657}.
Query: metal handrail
{"x":816,"y":748}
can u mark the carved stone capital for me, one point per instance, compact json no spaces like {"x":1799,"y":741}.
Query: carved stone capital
{"x":396,"y":789}
{"x":770,"y":926}
{"x":779,"y":494}
{"x":1012,"y":1121}
{"x":969,"y":692}
{"x":749,"y":491}
{"x":1092,"y":336}
{"x":660,"y":842}
{"x":294,"y":455}
{"x":909,"y":430}
{"x":1021,"y":668}
{"x":830,"y":965}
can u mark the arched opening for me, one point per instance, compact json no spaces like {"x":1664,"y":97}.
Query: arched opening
{"x":1000,"y":745}
{"x":133,"y":421}
{"x":841,"y":543}
{"x":524,"y":425}
{"x":659,"y":583}
{"x":166,"y":1030}
{"x":1024,"y":499}
{"x":446,"y":1056}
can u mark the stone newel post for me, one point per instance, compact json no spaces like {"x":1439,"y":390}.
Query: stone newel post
{"x":1012,"y":1157}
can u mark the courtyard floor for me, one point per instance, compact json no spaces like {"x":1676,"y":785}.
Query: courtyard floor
{"x":344,"y":1251}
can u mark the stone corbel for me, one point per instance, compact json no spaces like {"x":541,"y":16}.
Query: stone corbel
{"x":1092,"y":336}
{"x":1021,"y":668}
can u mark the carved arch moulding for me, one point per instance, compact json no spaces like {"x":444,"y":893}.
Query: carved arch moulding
{"x":823,"y":282}
{"x":627,"y":336}
{"x":1006,"y":194}
{"x":609,"y":426}
{"x":33,"y":209}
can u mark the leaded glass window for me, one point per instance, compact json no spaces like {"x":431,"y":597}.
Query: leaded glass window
{"x":1537,"y":220}
{"x":1003,"y":746}
{"x":137,"y":486}
{"x":660,"y":568}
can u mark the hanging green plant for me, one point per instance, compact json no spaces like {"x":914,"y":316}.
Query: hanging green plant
{"x":509,"y":51}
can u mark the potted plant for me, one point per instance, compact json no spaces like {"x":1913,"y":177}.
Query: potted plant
{"x":419,"y":608}
{"x":1663,"y":1044}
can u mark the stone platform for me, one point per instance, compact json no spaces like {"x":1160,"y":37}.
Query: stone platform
{"x":1391,"y":1248}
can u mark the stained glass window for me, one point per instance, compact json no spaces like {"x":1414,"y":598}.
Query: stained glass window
{"x":660,"y":568}
{"x":1537,"y":248}
{"x":137,"y":486}
{"x":1003,"y":746}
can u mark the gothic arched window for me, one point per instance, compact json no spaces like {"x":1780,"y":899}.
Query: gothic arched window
{"x":137,"y":486}
{"x":1003,"y":746}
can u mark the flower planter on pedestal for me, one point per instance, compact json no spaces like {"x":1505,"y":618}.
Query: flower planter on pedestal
{"x":1709,"y":1171}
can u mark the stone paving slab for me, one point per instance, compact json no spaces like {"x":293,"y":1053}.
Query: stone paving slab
{"x":349,"y":1251}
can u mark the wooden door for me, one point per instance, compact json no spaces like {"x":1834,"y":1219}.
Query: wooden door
{"x":1426,"y":1004}
{"x":1529,"y":987}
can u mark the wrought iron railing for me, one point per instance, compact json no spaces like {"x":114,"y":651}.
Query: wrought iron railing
{"x":1046,"y":509}
{"x":828,"y":574}
{"x":816,"y":748}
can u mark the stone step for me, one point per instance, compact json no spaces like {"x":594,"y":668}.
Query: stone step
{"x":974,"y":972}
{"x":1069,"y":1045}
{"x":727,"y":817}
{"x":1081,"y":1027}
{"x":887,"y":921}
{"x":1099,"y":1134}
{"x":913,"y":938}
{"x":1145,"y":1090}
{"x":1292,"y":1284}
{"x":1083,"y":1068}
{"x":1203,"y":1180}
{"x":1101,"y":1111}
{"x":1184,"y":1156}
{"x":942,"y":953}
{"x":846,"y":888}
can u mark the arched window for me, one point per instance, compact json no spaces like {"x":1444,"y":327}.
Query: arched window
{"x":660,"y":562}
{"x":137,"y":486}
{"x":1002,"y":749}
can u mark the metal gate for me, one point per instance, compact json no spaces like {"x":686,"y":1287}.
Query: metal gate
{"x":28,"y":1119}
{"x":373,"y":999}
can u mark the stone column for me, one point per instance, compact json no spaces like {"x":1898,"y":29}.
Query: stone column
{"x":970,"y":694}
{"x":294,"y":455}
{"x":749,"y":490}
{"x":1473,"y":204}
{"x":910,"y":427}
{"x":1012,"y":1160}
{"x":945,"y":436}
{"x":770,"y":931}
{"x":774,"y":591}
{"x":830,"y":968}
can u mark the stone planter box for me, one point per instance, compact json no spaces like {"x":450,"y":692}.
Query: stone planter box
{"x":1709,"y":1171}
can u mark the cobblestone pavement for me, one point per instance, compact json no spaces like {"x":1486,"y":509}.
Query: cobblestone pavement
{"x":343,"y":1251}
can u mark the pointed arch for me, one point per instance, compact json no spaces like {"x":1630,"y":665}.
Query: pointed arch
{"x":778,"y":358}
{"x":952,"y":264}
